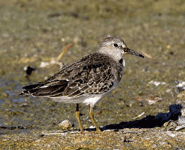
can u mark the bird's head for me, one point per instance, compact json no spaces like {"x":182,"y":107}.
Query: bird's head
{"x":115,"y":47}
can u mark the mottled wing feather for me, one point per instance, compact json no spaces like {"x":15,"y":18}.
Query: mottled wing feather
{"x":45,"y":88}
{"x":93,"y":74}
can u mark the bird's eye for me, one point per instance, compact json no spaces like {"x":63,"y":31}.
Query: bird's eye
{"x":115,"y":45}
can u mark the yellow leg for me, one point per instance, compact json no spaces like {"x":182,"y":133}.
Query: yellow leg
{"x":91,"y":115}
{"x":77,"y":114}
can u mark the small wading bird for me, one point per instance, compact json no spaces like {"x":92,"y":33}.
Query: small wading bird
{"x":88,"y":79}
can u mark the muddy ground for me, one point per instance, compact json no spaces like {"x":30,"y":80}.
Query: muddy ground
{"x":146,"y":109}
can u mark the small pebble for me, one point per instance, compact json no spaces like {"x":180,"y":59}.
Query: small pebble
{"x":66,"y":124}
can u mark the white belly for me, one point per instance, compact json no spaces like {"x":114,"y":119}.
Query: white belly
{"x":92,"y":100}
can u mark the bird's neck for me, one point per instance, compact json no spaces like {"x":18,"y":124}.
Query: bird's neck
{"x":116,"y":55}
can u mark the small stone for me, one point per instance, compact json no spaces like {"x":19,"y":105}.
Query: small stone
{"x":28,"y":70}
{"x":168,"y":90}
{"x":44,"y":64}
{"x":170,"y":125}
{"x":171,"y":133}
{"x":23,"y":105}
{"x":66,"y":124}
{"x":181,"y":121}
{"x":181,"y":95}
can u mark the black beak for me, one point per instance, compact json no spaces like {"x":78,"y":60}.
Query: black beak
{"x":132,"y":52}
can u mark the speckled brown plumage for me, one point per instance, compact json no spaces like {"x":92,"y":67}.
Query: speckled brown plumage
{"x":93,"y":74}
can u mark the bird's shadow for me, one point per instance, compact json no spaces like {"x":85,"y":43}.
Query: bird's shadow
{"x":147,"y":122}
